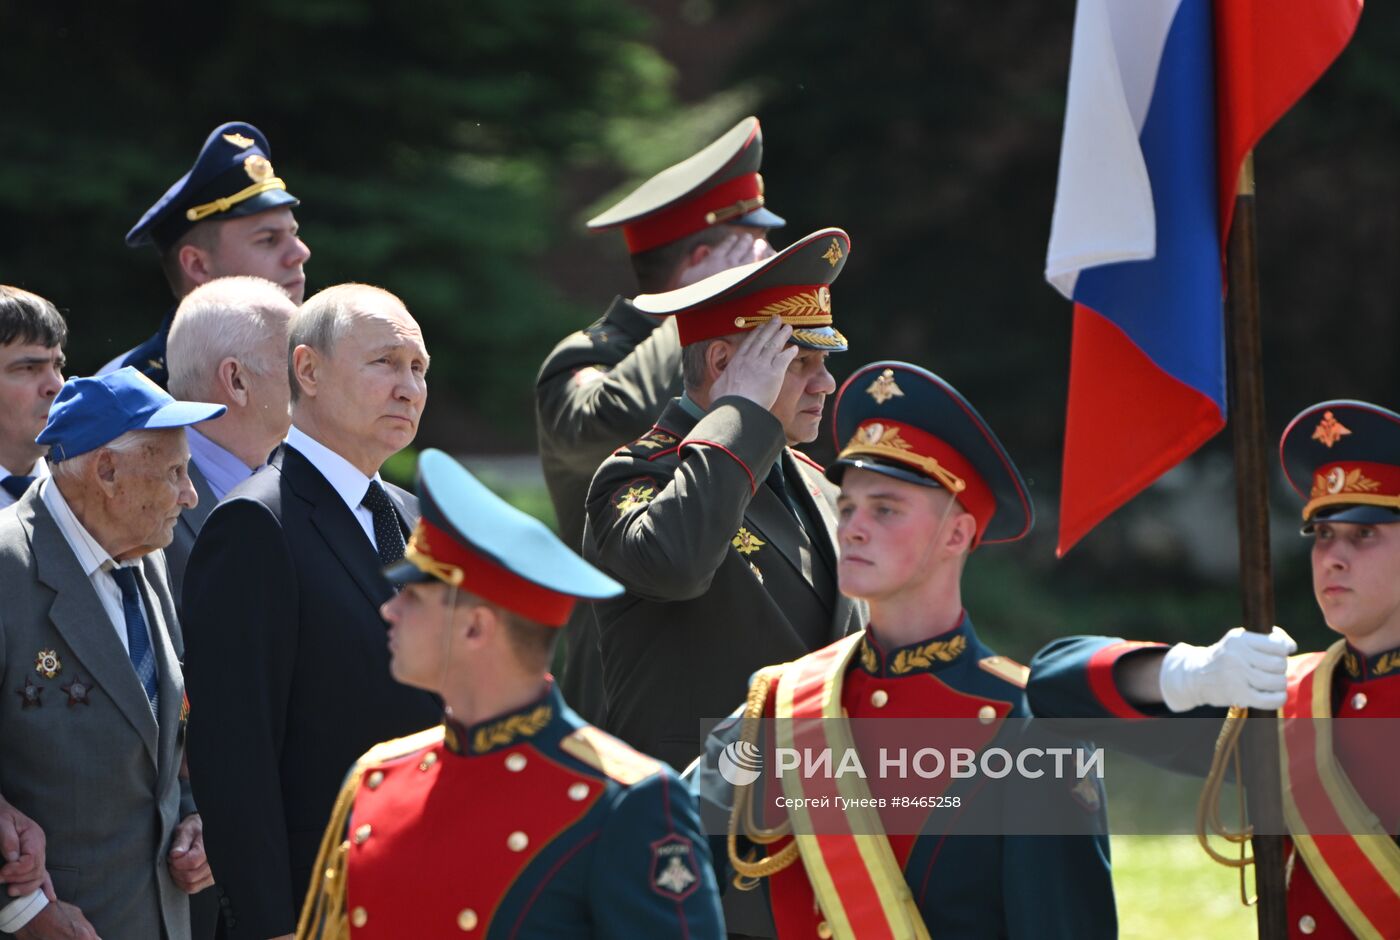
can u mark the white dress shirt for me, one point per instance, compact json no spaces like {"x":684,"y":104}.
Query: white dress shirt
{"x":38,"y":472}
{"x":343,"y":476}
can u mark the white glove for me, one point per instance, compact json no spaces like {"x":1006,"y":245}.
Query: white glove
{"x":1242,"y":668}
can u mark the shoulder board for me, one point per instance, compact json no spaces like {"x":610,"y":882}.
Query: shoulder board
{"x":1008,"y":670}
{"x":608,"y":755}
{"x":654,"y":443}
{"x":402,"y":747}
{"x":798,"y":455}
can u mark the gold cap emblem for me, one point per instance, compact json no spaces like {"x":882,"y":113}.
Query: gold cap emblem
{"x":824,"y":298}
{"x":833,"y":254}
{"x":238,"y":140}
{"x":884,"y":388}
{"x":1329,"y":430}
{"x":257,"y":167}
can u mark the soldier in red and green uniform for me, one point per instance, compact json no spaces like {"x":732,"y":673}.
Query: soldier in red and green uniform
{"x":924,"y":481}
{"x":1341,"y":802}
{"x":513,"y":818}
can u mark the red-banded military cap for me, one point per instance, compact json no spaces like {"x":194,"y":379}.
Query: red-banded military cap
{"x":720,"y":184}
{"x":472,"y":539}
{"x":1343,"y":458}
{"x":904,"y":422}
{"x":794,"y":285}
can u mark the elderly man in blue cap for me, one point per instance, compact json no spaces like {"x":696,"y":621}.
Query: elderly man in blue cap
{"x":95,"y":706}
{"x":231,"y":214}
{"x":571,"y":832}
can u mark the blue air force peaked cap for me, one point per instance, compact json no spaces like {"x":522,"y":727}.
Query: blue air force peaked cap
{"x":231,"y":177}
{"x":899,"y":420}
{"x":1343,"y":458}
{"x":471,"y":538}
{"x":90,"y":412}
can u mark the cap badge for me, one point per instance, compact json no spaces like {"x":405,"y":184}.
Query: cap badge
{"x":746,"y":542}
{"x":1329,"y":430}
{"x":239,"y":141}
{"x":833,"y":254}
{"x":1338,"y":480}
{"x":877,"y":435}
{"x":46,"y":664}
{"x":884,"y":388}
{"x":257,"y":167}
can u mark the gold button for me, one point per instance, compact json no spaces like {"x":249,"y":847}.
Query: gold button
{"x":879,"y":698}
{"x":362,"y":833}
{"x":359,"y":917}
{"x":429,"y":760}
{"x":1306,"y":924}
{"x":516,"y":762}
{"x":986,"y":714}
{"x":1358,"y":701}
{"x":375,"y":779}
{"x":578,"y":791}
{"x":517,"y":841}
{"x":824,"y":930}
{"x":467,"y":919}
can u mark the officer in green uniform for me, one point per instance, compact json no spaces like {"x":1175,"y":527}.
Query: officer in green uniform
{"x":721,"y":533}
{"x":602,"y":386}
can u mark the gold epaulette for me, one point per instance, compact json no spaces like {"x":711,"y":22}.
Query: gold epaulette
{"x":1007,"y":670}
{"x":323,"y":913}
{"x":609,"y":756}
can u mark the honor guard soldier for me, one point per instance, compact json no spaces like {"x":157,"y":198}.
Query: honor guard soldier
{"x":1340,"y":801}
{"x":722,"y":534}
{"x":924,"y":481}
{"x":604,"y":385}
{"x":231,"y":214}
{"x":568,"y":831}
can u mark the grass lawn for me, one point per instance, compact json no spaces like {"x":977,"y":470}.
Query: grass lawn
{"x":1168,"y":888}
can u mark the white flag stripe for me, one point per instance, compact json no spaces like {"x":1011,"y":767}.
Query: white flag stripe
{"x":1103,"y":199}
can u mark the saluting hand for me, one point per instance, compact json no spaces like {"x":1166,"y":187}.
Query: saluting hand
{"x":737,"y":249}
{"x":755,"y":371}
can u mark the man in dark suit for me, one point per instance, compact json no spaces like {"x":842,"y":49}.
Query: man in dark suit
{"x":32,"y":334}
{"x":721,"y":533}
{"x":228,"y":345}
{"x":92,"y":732}
{"x":287,"y":654}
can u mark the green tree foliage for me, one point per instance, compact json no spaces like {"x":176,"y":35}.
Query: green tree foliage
{"x":425,"y":140}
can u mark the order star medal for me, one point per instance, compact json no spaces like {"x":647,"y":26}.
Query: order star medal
{"x":46,"y":663}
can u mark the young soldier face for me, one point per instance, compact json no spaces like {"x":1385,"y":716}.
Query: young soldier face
{"x":893,"y":534}
{"x":803,"y":396}
{"x":265,"y":245}
{"x":1356,"y":580}
{"x":418,"y":624}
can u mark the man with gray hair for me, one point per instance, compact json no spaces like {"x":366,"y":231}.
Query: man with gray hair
{"x":90,"y":647}
{"x":287,"y":652}
{"x":228,"y":344}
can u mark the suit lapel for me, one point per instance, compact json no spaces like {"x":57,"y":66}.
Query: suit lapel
{"x":167,"y":673}
{"x":194,"y":518}
{"x":79,"y":617}
{"x":771,"y":521}
{"x":336,"y":523}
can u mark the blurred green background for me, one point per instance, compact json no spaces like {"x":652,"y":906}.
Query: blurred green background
{"x":451,"y":151}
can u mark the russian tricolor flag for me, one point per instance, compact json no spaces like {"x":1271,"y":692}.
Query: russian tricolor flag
{"x":1166,"y":97}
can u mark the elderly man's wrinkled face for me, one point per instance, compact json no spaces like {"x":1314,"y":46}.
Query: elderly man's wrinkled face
{"x":146,"y":488}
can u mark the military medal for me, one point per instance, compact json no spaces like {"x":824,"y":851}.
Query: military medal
{"x":78,"y":690}
{"x":46,"y":664}
{"x":29,"y":695}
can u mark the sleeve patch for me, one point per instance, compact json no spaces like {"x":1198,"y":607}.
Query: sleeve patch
{"x":1008,"y":670}
{"x":607,"y":754}
{"x":635,"y":493}
{"x":674,"y":872}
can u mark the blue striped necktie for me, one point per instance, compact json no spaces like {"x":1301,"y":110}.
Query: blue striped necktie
{"x":138,"y":641}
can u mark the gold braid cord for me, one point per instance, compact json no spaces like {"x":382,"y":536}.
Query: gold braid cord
{"x":323,"y":914}
{"x":756,"y":867}
{"x":1208,"y":821}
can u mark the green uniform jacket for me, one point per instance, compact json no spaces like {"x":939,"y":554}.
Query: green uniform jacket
{"x":598,"y":389}
{"x":721,"y":578}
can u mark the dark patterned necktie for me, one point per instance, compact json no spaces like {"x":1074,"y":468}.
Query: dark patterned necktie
{"x":778,"y":485}
{"x":388,"y":537}
{"x":16,"y":485}
{"x":143,"y":660}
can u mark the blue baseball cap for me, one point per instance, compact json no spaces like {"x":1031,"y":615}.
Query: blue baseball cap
{"x":90,"y":412}
{"x":231,"y":177}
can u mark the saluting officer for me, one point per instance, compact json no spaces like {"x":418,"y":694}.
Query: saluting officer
{"x":231,"y":214}
{"x":567,"y":832}
{"x":1340,"y":803}
{"x":924,"y":481}
{"x":722,"y":534}
{"x":602,"y":386}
